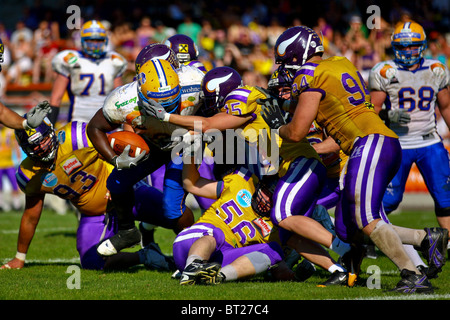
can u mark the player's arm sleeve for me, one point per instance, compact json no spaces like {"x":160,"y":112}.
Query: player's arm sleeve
{"x":111,"y":113}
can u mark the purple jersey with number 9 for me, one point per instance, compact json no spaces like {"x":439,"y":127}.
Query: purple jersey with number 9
{"x":345,"y":111}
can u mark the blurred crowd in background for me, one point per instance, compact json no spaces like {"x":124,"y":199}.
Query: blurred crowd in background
{"x":233,"y":33}
{"x":239,"y":34}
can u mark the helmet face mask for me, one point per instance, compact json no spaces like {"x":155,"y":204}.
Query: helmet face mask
{"x":408,"y":43}
{"x":94,"y":39}
{"x":262,"y":197}
{"x":217,"y":84}
{"x":158,"y":81}
{"x":156,"y":51}
{"x":183,"y":46}
{"x":40,"y":143}
{"x":296,"y":45}
{"x":280,"y":82}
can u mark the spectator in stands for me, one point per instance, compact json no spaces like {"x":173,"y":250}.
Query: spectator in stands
{"x":22,"y":54}
{"x":145,"y":32}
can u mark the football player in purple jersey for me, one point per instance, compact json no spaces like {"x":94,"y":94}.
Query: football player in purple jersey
{"x":332,"y":92}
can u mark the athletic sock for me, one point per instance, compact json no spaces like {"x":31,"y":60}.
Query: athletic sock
{"x":389,"y":242}
{"x":339,"y":246}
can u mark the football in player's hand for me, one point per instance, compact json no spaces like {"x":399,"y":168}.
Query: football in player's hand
{"x":120,"y":139}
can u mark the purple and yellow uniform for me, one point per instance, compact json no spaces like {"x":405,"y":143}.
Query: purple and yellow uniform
{"x":7,"y":168}
{"x":79,"y":175}
{"x":231,"y":220}
{"x":334,"y":162}
{"x":345,"y":112}
{"x":300,"y":170}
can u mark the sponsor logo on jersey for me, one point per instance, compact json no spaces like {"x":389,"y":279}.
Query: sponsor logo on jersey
{"x":61,"y":137}
{"x":70,"y":165}
{"x":190,"y":89}
{"x":49,"y":180}
{"x":70,"y":58}
{"x":119,"y":104}
{"x":244,"y":198}
{"x":262,"y":226}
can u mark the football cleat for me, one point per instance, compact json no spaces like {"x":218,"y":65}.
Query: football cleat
{"x":433,"y":247}
{"x":304,"y":270}
{"x":431,"y":273}
{"x":351,"y":261}
{"x":338,"y":278}
{"x":413,"y":283}
{"x":121,"y":240}
{"x":201,"y":272}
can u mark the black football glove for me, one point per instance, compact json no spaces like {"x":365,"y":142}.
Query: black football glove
{"x":271,"y":113}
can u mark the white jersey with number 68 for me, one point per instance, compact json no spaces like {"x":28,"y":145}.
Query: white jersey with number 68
{"x":416,"y":92}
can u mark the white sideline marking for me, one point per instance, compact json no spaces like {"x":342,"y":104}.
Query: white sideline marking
{"x":39,"y":230}
{"x":57,"y":260}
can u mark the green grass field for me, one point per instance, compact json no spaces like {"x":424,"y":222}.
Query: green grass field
{"x":53,"y":252}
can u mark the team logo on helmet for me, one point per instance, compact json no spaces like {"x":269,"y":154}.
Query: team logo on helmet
{"x":156,"y":51}
{"x":281,"y":49}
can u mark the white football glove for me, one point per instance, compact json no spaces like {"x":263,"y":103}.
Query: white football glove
{"x":124,"y":161}
{"x":399,"y":116}
{"x":37,"y":114}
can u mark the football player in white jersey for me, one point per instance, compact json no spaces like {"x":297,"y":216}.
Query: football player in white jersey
{"x":411,"y":87}
{"x":178,"y":90}
{"x":88,"y":75}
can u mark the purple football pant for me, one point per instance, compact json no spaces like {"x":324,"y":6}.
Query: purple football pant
{"x":372,"y":164}
{"x":94,"y":229}
{"x":297,"y":191}
{"x":224,"y":253}
{"x":329,"y":196}
{"x":10,"y":174}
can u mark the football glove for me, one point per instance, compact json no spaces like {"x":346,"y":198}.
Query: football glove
{"x":154,"y":109}
{"x":37,"y":114}
{"x":272,"y":113}
{"x":399,"y":116}
{"x":124,"y":161}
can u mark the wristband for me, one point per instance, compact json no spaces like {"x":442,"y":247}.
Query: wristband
{"x":113,"y":161}
{"x":21,"y":256}
{"x":25,"y":125}
{"x":166,"y":117}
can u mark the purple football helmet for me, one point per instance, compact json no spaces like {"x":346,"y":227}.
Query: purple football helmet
{"x":217,"y":84}
{"x":40,"y":143}
{"x":156,"y":51}
{"x":280,"y":79}
{"x":296,"y":45}
{"x":184,"y":47}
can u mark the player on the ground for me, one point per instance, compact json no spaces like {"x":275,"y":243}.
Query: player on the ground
{"x":411,"y":88}
{"x":332,"y":92}
{"x":300,"y":166}
{"x":65,"y":163}
{"x":235,"y":237}
{"x":88,"y":75}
